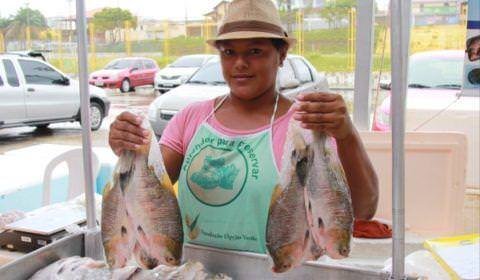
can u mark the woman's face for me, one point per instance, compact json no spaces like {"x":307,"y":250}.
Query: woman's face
{"x":250,"y":66}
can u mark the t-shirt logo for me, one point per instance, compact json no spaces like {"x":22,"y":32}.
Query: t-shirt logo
{"x":216,"y":176}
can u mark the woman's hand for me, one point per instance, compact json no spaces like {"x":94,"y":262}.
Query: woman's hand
{"x":126,"y":133}
{"x":325,"y":112}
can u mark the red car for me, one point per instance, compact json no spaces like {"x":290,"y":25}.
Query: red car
{"x":125,"y":74}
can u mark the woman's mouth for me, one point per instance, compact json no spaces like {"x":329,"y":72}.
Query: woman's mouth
{"x":242,"y":77}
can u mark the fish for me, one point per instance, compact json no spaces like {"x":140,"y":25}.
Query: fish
{"x":116,"y":228}
{"x":142,"y":217}
{"x":73,"y":268}
{"x":84,"y":268}
{"x":287,"y":230}
{"x":330,"y":199}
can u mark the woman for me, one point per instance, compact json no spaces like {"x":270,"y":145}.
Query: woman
{"x":226,"y":153}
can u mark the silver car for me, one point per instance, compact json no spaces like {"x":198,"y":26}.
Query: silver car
{"x":34,"y":93}
{"x":297,"y":75}
{"x":179,"y":71}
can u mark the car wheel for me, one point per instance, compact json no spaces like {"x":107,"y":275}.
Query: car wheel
{"x":125,"y":86}
{"x":96,"y":115}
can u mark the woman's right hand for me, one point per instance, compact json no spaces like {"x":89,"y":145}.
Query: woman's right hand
{"x":126,"y":133}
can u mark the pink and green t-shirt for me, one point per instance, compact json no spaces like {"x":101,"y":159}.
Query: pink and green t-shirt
{"x":182,"y":127}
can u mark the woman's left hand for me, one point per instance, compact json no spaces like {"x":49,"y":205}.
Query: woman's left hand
{"x":325,"y":112}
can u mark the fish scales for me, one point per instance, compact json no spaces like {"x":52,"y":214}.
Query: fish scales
{"x":142,"y":208}
{"x":329,"y":195}
{"x":287,"y":226}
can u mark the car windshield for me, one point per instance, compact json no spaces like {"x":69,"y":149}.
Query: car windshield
{"x":188,"y":61}
{"x":435,"y":73}
{"x":209,"y":74}
{"x":120,"y":64}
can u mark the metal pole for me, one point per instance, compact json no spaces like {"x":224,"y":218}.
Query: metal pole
{"x":363,"y":63}
{"x":92,"y":248}
{"x":400,"y":41}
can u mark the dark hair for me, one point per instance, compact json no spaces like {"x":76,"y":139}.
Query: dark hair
{"x":279,"y":43}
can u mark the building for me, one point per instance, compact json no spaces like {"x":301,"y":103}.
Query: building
{"x":436,"y":12}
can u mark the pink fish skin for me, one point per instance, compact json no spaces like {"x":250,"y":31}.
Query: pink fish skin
{"x":287,"y":226}
{"x":329,"y":196}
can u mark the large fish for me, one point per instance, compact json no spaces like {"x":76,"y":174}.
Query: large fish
{"x":74,"y":268}
{"x":287,"y":226}
{"x":329,"y":196}
{"x":151,"y":225}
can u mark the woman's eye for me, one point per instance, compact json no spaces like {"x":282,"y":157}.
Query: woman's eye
{"x":255,"y":51}
{"x":227,"y":52}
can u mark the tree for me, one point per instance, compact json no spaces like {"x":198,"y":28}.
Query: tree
{"x":24,"y":18}
{"x":113,"y":18}
{"x":336,"y":11}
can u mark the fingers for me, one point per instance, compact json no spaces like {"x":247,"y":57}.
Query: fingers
{"x":331,"y":118}
{"x":321,"y":103}
{"x":318,"y":97}
{"x":130,"y":117}
{"x":126,"y":133}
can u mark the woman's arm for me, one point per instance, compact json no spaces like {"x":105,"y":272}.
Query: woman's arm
{"x":361,"y":176}
{"x":327,"y":112}
{"x":173,"y":162}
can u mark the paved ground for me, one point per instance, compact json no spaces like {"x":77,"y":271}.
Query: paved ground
{"x":71,"y":133}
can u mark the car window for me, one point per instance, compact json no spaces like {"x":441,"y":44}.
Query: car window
{"x":120,"y":64}
{"x":211,"y":73}
{"x":138,"y":64}
{"x":286,"y":72}
{"x":149,"y":64}
{"x":12,"y":77}
{"x":39,"y":73}
{"x":1,"y":81}
{"x":188,"y":61}
{"x":303,"y":72}
{"x":435,"y":72}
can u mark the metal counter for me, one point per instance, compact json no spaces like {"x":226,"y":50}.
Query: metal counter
{"x":238,"y":265}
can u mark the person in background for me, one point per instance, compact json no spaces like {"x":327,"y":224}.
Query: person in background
{"x":473,"y":48}
{"x":226,"y":153}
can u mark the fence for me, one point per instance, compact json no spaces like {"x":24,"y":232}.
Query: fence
{"x":329,"y":44}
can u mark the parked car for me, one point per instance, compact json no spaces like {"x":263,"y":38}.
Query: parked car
{"x":179,"y":71}
{"x":34,"y":93}
{"x":436,"y":102}
{"x":125,"y":74}
{"x":297,"y":75}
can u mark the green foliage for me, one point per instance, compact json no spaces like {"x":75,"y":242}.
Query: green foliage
{"x":336,"y":11}
{"x":111,"y":18}
{"x":4,"y":23}
{"x":29,"y":17}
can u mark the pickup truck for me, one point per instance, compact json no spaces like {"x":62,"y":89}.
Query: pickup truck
{"x":34,"y":93}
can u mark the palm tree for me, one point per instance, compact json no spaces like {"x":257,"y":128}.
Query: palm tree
{"x":24,"y":18}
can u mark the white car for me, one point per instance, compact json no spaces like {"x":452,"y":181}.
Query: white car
{"x":437,"y":102}
{"x":297,"y":75}
{"x":179,"y":71}
{"x":34,"y":93}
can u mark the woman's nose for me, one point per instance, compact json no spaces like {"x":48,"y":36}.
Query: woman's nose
{"x":241,"y":63}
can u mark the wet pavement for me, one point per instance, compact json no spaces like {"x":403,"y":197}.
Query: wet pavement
{"x":71,"y":133}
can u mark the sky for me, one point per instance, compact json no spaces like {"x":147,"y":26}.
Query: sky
{"x":155,"y":9}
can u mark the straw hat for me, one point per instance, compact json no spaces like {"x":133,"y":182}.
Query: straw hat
{"x":251,"y":19}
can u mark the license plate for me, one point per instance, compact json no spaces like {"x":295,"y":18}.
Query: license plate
{"x":168,"y":85}
{"x":99,"y":83}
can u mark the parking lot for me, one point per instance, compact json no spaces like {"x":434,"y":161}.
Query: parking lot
{"x":70,"y":133}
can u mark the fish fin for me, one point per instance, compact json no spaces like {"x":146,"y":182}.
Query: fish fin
{"x":277,"y":191}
